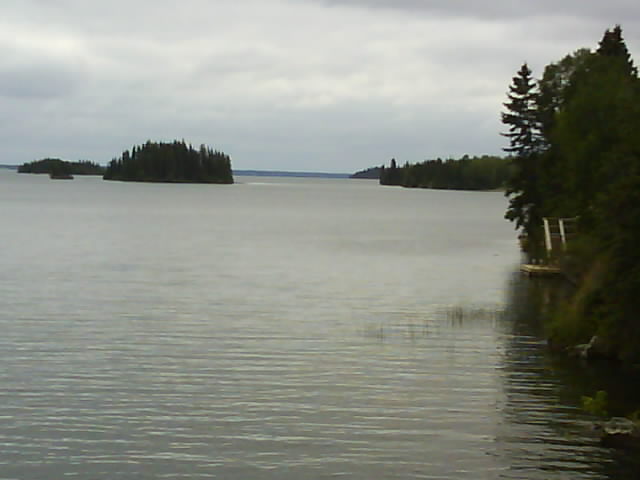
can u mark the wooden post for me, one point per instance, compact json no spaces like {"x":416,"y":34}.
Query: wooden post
{"x":547,"y":235}
{"x":562,"y":234}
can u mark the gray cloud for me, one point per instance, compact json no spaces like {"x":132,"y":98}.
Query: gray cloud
{"x":278,"y":84}
{"x":37,"y":82}
{"x":500,"y":10}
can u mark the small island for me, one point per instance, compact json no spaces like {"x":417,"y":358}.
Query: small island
{"x":174,"y":162}
{"x":59,"y":169}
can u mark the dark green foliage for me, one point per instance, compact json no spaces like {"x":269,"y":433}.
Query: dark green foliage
{"x":521,"y":115}
{"x":587,"y":165}
{"x":392,"y":175}
{"x":370,"y":173}
{"x":596,"y":405}
{"x":525,"y":145}
{"x":555,"y":89}
{"x":466,"y":173}
{"x":171,"y":162}
{"x":55,"y":166}
{"x":612,"y":45}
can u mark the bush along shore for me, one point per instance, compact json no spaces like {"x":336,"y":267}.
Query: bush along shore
{"x":174,"y":162}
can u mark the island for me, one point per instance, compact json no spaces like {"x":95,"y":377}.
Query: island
{"x":61,"y":169}
{"x":174,"y":162}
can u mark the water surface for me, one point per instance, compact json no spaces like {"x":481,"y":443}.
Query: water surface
{"x":277,"y":328}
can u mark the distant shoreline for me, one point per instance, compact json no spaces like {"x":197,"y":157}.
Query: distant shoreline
{"x":281,"y":173}
{"x":259,"y":173}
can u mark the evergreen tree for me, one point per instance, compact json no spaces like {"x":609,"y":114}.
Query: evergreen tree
{"x":613,"y":45}
{"x":392,"y":175}
{"x":525,"y":144}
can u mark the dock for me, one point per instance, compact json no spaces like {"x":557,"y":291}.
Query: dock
{"x":540,"y":270}
{"x":557,"y":233}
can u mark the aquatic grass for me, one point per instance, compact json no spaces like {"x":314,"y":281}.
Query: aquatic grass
{"x":409,"y":331}
{"x":374,"y":331}
{"x":458,"y":314}
{"x":413,"y":328}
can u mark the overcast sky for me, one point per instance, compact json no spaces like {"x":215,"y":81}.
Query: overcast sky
{"x":308,"y":85}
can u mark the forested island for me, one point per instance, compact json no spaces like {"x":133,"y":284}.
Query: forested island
{"x":56,"y":167}
{"x":575,"y":145}
{"x":174,"y":162}
{"x":467,"y":173}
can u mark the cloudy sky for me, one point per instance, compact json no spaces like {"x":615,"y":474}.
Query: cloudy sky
{"x":307,"y":85}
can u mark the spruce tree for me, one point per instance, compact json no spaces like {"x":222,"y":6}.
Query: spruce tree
{"x":524,"y":146}
{"x":613,"y":45}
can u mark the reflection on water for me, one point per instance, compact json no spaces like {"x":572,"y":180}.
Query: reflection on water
{"x":545,"y":429}
{"x":541,"y":431}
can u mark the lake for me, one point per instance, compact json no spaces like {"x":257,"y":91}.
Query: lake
{"x":279,"y":328}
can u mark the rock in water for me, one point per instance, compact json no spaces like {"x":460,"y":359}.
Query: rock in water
{"x":620,"y":432}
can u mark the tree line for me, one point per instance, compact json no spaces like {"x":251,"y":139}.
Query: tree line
{"x":56,"y":166}
{"x":372,"y":173}
{"x":171,"y":162}
{"x":467,"y":173}
{"x":575,"y":148}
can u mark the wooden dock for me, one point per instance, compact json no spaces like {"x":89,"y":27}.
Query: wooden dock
{"x":557,"y":233}
{"x":540,"y":270}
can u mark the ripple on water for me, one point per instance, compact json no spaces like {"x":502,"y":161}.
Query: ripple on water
{"x":322,"y":330}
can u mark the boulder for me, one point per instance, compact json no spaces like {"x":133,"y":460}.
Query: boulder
{"x":620,"y":432}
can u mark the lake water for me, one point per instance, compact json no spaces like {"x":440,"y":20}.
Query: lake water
{"x":278,"y":328}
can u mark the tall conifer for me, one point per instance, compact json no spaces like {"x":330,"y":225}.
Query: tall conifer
{"x":521,"y":117}
{"x":613,"y":45}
